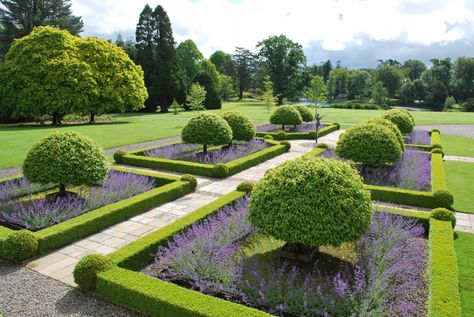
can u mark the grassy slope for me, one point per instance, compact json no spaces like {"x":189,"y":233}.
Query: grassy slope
{"x":458,"y":145}
{"x":133,"y":128}
{"x":460,"y":177}
{"x":465,"y":252}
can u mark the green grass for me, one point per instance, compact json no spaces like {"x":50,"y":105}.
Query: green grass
{"x":138,"y":127}
{"x":465,"y":252}
{"x":457,"y":145}
{"x":460,"y":176}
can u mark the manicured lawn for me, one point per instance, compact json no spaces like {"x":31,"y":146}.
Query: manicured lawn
{"x":457,"y":145}
{"x":465,"y":252}
{"x":460,"y":176}
{"x":137,"y":127}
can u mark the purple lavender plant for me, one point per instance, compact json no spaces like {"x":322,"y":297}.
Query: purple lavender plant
{"x":20,"y":187}
{"x":418,"y":137}
{"x":172,"y":151}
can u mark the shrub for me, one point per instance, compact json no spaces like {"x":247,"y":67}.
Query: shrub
{"x":85,"y":271}
{"x":322,"y":146}
{"x":408,"y":114}
{"x":245,"y":187}
{"x":393,"y":127}
{"x":444,"y":214}
{"x":468,"y":106}
{"x":268,"y":137}
{"x":20,"y":245}
{"x":443,"y":198}
{"x":118,"y":156}
{"x":305,"y":113}
{"x":207,"y":129}
{"x":436,"y":146}
{"x":190,"y":179}
{"x":220,"y":170}
{"x":404,"y":121}
{"x":287,"y":144}
{"x":281,"y":135}
{"x":65,"y":159}
{"x":438,"y":150}
{"x":242,"y":127}
{"x":312,"y":201}
{"x":286,"y":115}
{"x":370,"y":144}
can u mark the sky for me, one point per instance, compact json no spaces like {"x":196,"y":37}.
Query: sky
{"x":356,"y":32}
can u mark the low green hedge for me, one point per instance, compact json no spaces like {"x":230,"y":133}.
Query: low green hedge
{"x":355,"y":105}
{"x":96,"y":220}
{"x":444,"y":299}
{"x":301,"y":135}
{"x":155,"y":297}
{"x":136,"y":158}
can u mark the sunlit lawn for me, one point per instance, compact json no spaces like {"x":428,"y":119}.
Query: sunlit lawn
{"x":458,"y":145}
{"x":460,"y":176}
{"x":465,"y":253}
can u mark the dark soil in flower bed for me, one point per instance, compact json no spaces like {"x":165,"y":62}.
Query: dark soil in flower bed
{"x":383,"y":274}
{"x":193,"y":152}
{"x":412,"y":171}
{"x":34,"y":207}
{"x":304,"y":127}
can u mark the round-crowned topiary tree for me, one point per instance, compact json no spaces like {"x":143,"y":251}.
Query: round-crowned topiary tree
{"x":305,"y":113}
{"x":409,"y":114}
{"x":85,"y":271}
{"x":66,"y":159}
{"x":404,"y":121}
{"x":242,"y":127}
{"x":207,"y":129}
{"x":286,"y":115}
{"x":392,"y":126}
{"x":312,"y":202}
{"x":370,"y":144}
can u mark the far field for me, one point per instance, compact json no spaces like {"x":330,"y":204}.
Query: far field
{"x":137,"y":127}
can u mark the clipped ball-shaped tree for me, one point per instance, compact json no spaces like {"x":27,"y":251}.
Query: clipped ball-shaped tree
{"x":66,"y":159}
{"x":242,"y":127}
{"x":286,"y":115}
{"x":392,"y":126}
{"x":312,"y":202}
{"x":370,"y":144}
{"x":20,"y":245}
{"x":444,"y":214}
{"x":404,"y":121}
{"x":305,"y":113}
{"x":207,"y":129}
{"x":409,"y":114}
{"x":85,"y":271}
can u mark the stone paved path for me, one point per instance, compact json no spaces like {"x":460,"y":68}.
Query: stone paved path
{"x":459,"y":158}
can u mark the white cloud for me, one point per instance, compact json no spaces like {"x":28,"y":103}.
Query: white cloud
{"x":337,"y":24}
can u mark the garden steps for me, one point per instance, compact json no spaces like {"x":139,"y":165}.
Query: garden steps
{"x":60,"y":264}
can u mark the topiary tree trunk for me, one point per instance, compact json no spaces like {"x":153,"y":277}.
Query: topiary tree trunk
{"x":92,"y":118}
{"x":204,"y":150}
{"x":62,"y":190}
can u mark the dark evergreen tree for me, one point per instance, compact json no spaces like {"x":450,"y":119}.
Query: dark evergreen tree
{"x":441,"y":70}
{"x":19,"y":17}
{"x":213,"y":100}
{"x":326,"y":70}
{"x":224,"y":63}
{"x":437,"y":94}
{"x":244,"y":62}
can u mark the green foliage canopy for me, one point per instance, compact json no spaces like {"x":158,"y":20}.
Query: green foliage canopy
{"x":242,"y":128}
{"x":286,"y":115}
{"x":207,"y":129}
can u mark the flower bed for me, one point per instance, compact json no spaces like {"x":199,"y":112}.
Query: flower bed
{"x":125,"y":194}
{"x":38,"y":212}
{"x":396,"y":280}
{"x":304,"y":131}
{"x":418,"y":137}
{"x":218,"y":162}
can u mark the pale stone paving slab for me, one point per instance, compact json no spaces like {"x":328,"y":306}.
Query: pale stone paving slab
{"x":459,"y":158}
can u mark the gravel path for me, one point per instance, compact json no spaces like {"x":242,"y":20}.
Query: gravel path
{"x":466,"y":130}
{"x":24,"y":292}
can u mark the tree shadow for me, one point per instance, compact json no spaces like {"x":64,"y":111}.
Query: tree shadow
{"x":28,"y":127}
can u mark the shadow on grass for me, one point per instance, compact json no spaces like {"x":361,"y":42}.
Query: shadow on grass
{"x":26,"y":127}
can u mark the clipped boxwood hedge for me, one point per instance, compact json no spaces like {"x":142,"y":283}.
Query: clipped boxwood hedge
{"x":220,"y":170}
{"x":56,"y":236}
{"x":301,"y":135}
{"x":154,"y":297}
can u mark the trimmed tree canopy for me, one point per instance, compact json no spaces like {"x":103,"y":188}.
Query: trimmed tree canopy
{"x":66,"y":159}
{"x":401,"y":118}
{"x":207,"y":129}
{"x":286,"y":115}
{"x":370,"y":144}
{"x":305,"y":113}
{"x":392,"y":126}
{"x":242,"y":128}
{"x":312,"y":201}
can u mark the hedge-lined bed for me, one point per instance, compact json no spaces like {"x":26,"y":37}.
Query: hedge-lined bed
{"x":123,"y":283}
{"x":283,"y":135}
{"x":168,"y":188}
{"x":219,"y":170}
{"x":435,"y":141}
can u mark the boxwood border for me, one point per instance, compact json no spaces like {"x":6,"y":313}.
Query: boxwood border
{"x":221,"y":170}
{"x":123,"y":284}
{"x":301,"y":135}
{"x":59,"y":235}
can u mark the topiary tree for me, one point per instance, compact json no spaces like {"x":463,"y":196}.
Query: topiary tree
{"x":305,"y":113}
{"x":207,"y":129}
{"x":313,"y":202}
{"x":242,"y":128}
{"x":370,"y":144}
{"x":286,"y":115}
{"x":85,"y":271}
{"x":20,"y":245}
{"x":393,"y":127}
{"x":66,"y":159}
{"x":409,"y":114}
{"x":404,"y":121}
